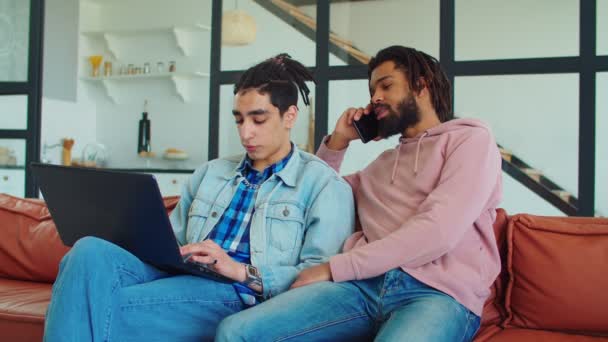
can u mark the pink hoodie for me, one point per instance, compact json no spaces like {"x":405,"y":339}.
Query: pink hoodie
{"x":428,"y":207}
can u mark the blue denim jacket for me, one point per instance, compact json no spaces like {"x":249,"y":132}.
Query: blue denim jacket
{"x":303,"y":214}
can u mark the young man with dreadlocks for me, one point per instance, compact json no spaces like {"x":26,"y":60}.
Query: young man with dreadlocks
{"x":259,"y":220}
{"x":421,"y":266}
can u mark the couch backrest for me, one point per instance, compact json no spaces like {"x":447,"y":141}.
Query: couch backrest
{"x":557,"y":274}
{"x":553,"y":275}
{"x":30,"y":248}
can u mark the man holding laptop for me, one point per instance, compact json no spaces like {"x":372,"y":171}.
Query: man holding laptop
{"x":257,"y":221}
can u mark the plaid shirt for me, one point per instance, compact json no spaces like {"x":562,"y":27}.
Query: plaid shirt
{"x":232,"y":230}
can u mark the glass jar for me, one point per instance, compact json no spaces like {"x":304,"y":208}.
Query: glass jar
{"x":160,"y":67}
{"x":172,"y":66}
{"x":107,"y":69}
{"x":146,"y":68}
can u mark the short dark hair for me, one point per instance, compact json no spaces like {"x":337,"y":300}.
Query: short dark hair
{"x":417,"y":66}
{"x":281,"y":77}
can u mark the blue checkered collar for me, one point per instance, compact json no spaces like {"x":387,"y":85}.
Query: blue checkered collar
{"x":285,"y":168}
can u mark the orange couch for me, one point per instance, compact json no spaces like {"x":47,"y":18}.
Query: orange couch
{"x":553,"y":286}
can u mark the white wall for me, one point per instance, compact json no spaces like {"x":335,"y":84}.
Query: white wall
{"x":534,"y":116}
{"x":373,"y":25}
{"x":497,"y":29}
{"x":66,"y":119}
{"x":60,"y":50}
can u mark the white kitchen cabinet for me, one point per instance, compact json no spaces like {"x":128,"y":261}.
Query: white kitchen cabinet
{"x":124,"y":44}
{"x":12,"y":182}
{"x":181,"y":83}
{"x":183,"y":36}
{"x":171,"y":184}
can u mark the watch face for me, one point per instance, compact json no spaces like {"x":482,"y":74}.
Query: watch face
{"x":252,"y":270}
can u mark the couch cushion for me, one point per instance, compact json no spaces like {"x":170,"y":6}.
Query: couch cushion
{"x":30,"y":248}
{"x":493,"y":309}
{"x":525,"y":335}
{"x":487,"y":332}
{"x":22,"y":308}
{"x":557,"y":274}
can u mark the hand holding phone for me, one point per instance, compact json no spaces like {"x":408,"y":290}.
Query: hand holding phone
{"x":367,"y":127}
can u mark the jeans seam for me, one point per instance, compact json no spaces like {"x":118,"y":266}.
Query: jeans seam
{"x":109,"y":313}
{"x":321,"y":326}
{"x":226,"y":303}
{"x":135,"y":276}
{"x":466,"y":329}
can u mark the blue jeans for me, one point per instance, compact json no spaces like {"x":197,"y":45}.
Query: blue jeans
{"x":392,"y":307}
{"x":104,"y":293}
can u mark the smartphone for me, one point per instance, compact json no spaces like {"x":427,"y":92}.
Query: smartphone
{"x":367,"y":127}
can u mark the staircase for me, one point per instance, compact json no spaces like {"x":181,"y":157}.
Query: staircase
{"x":521,"y":171}
{"x":292,"y":15}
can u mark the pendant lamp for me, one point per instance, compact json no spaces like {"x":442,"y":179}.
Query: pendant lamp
{"x":238,"y":27}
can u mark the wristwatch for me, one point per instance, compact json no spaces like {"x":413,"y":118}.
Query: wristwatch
{"x":253,"y":280}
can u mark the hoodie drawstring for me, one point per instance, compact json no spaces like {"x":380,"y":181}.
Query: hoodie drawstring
{"x":418,"y":152}
{"x":396,"y":161}
{"x":401,"y":140}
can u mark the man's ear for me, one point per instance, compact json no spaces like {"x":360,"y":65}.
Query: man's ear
{"x":290,"y":116}
{"x":424,"y":90}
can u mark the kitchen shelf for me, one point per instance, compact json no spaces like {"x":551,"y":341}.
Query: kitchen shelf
{"x":181,"y":34}
{"x":180,"y":81}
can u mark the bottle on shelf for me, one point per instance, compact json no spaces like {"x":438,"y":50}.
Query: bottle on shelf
{"x":143,"y":140}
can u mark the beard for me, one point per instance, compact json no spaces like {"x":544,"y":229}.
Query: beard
{"x":396,"y":122}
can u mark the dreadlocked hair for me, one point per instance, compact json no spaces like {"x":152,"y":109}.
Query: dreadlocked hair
{"x":281,"y":77}
{"x":421,"y":70}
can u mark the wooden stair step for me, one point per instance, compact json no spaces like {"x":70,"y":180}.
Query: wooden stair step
{"x":506,"y":154}
{"x":563,"y":194}
{"x":533,"y":173}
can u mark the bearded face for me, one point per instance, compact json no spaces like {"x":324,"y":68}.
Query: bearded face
{"x":406,"y":115}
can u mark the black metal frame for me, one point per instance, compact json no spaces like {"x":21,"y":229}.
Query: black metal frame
{"x":33,"y":89}
{"x":587,"y":64}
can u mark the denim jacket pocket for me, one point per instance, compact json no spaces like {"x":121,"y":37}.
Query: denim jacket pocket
{"x":285,"y":223}
{"x":197,"y":216}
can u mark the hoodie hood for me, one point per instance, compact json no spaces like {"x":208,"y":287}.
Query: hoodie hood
{"x":449,"y":126}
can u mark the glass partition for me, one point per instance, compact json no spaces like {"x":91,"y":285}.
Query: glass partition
{"x":533,"y":116}
{"x":601,"y":145}
{"x":14,"y":40}
{"x":13,"y":112}
{"x":602,"y":27}
{"x":12,"y":170}
{"x":252,"y":32}
{"x":497,"y":29}
{"x":358,"y":29}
